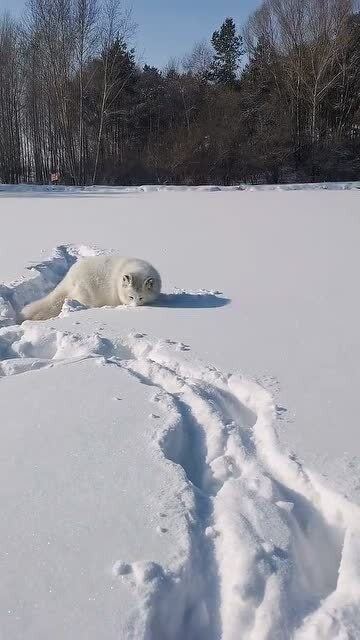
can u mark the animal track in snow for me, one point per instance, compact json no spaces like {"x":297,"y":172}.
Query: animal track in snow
{"x":266,"y":542}
{"x":43,"y":277}
{"x":277,"y":540}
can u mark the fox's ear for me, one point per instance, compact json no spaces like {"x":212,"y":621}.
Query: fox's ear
{"x":149,"y":283}
{"x":127,"y":280}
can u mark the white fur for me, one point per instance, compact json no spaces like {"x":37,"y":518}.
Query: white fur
{"x":97,"y":282}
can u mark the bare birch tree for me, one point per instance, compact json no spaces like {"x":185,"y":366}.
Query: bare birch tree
{"x":117,"y":25}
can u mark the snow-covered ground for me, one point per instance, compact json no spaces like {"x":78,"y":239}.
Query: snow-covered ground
{"x":190,"y":470}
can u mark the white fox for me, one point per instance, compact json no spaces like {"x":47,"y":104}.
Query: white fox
{"x":100,"y":281}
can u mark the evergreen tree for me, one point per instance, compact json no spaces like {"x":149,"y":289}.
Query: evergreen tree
{"x":228,"y":47}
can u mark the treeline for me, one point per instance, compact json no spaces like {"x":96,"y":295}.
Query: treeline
{"x":278,"y":102}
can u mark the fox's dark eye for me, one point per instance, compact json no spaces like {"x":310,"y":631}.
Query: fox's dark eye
{"x":131,"y":297}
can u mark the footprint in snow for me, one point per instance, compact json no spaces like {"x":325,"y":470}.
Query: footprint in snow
{"x":142,"y":572}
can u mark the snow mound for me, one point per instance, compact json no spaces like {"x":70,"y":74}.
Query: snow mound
{"x":268,"y":551}
{"x":31,"y":347}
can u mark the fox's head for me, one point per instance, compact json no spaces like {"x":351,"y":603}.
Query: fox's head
{"x":137,"y":290}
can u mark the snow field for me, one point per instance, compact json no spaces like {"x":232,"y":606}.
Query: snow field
{"x":263,"y":550}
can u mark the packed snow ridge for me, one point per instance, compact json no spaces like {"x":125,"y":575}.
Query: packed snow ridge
{"x":268,"y":552}
{"x":32,"y":189}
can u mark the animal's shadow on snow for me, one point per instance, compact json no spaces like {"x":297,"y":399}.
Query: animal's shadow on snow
{"x":190,"y":301}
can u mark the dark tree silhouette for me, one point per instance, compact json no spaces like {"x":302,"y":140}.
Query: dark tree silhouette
{"x":228,"y":47}
{"x":74,"y":103}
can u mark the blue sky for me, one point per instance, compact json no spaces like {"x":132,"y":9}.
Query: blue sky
{"x":170,"y":28}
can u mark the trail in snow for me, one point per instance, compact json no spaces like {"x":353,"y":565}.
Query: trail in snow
{"x":44,"y":277}
{"x":272,"y":540}
{"x":272,"y":554}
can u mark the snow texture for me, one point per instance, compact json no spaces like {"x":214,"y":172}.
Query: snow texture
{"x":236,"y":538}
{"x":29,"y":189}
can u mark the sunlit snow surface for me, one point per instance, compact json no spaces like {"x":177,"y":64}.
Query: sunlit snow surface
{"x":187,"y":470}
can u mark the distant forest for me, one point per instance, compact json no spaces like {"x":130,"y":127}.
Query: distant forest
{"x":275,"y":101}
